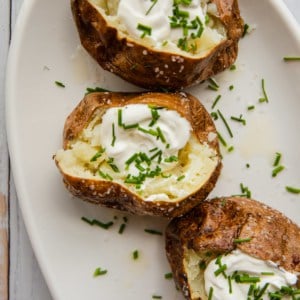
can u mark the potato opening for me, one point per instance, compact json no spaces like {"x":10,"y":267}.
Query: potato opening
{"x":166,"y":26}
{"x":86,"y":158}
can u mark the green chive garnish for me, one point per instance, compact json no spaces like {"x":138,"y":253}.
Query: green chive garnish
{"x":239,"y":119}
{"x":98,"y":154}
{"x":95,"y":90}
{"x":150,"y":8}
{"x":251,"y":107}
{"x":277,"y":159}
{"x":156,"y":297}
{"x":238,"y":241}
{"x":99,"y":272}
{"x":153,"y":231}
{"x":265,"y":98}
{"x":122,"y":228}
{"x":97,"y":222}
{"x":210,"y":294}
{"x":135,"y":254}
{"x":180,"y":177}
{"x":146,"y":30}
{"x":267,"y":273}
{"x":168,"y":275}
{"x":232,"y":67}
{"x":291,"y":58}
{"x":277,"y":170}
{"x":221,"y":139}
{"x":231,"y":87}
{"x":60,"y":84}
{"x":230,"y":149}
{"x":246,"y":28}
{"x":216,"y":101}
{"x":113,"y":135}
{"x":120,"y":123}
{"x":225,"y":123}
{"x":292,"y":190}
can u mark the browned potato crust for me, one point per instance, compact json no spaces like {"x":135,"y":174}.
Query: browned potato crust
{"x":115,"y":195}
{"x":212,"y":226}
{"x":118,"y":53}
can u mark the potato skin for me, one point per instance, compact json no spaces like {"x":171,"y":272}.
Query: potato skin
{"x":114,"y":195}
{"x":145,"y":66}
{"x":213,"y":225}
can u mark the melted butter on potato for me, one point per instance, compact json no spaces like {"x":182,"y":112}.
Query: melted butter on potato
{"x":150,"y":150}
{"x":162,"y":22}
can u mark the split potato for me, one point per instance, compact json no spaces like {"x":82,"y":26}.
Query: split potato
{"x":144,"y":182}
{"x":172,"y":63}
{"x":220,"y":226}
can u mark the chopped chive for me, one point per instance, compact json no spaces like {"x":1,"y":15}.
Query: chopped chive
{"x":292,"y":190}
{"x":120,"y":117}
{"x":230,"y":149}
{"x":262,"y":291}
{"x":238,"y":241}
{"x":97,"y":222}
{"x":239,"y":119}
{"x":99,"y":272}
{"x":232,"y":67}
{"x":277,"y":170}
{"x":265,"y":98}
{"x":125,"y":219}
{"x":180,"y":177}
{"x":113,"y":135}
{"x":157,"y":154}
{"x":135,"y":254}
{"x":131,"y":159}
{"x":251,"y":289}
{"x":251,"y":107}
{"x":156,"y":297}
{"x":225,"y":123}
{"x":213,"y":82}
{"x":277,"y":159}
{"x":245,"y":190}
{"x":122,"y":228}
{"x":168,"y":275}
{"x":150,"y":131}
{"x":98,"y":154}
{"x":153,"y":231}
{"x":212,"y":87}
{"x":60,"y":84}
{"x":161,"y":135}
{"x":171,"y":159}
{"x":105,"y":175}
{"x":146,"y":30}
{"x":153,"y":149}
{"x":291,"y":58}
{"x":245,"y":278}
{"x":230,"y":284}
{"x":231,"y":87}
{"x":221,"y":139}
{"x":216,"y":101}
{"x":221,"y":269}
{"x":210,"y":294}
{"x":245,"y":30}
{"x":267,"y":273}
{"x":130,"y":126}
{"x":155,"y":116}
{"x":202,"y":264}
{"x":214,"y":115}
{"x":95,"y":90}
{"x":247,"y":165}
{"x":112,"y":165}
{"x":150,"y":8}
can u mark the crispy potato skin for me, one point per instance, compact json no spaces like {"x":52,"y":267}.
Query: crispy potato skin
{"x":114,"y":195}
{"x":138,"y":64}
{"x":213,"y":225}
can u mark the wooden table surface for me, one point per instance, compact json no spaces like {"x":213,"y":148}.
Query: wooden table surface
{"x":20,"y":276}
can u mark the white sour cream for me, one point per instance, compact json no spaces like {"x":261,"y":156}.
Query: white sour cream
{"x":134,"y":12}
{"x":243,"y":263}
{"x":121,"y":144}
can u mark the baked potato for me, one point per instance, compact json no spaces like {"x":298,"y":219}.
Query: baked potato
{"x":160,"y":44}
{"x":215,"y":240}
{"x":145,"y":153}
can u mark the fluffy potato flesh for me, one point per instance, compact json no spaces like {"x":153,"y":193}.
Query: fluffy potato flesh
{"x":196,"y":161}
{"x":213,"y":32}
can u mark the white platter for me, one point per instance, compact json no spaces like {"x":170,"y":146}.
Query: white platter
{"x":46,"y":49}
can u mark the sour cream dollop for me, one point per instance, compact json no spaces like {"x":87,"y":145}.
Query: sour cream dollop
{"x":267,"y":272}
{"x":157,"y":132}
{"x":156,"y":15}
